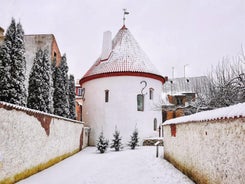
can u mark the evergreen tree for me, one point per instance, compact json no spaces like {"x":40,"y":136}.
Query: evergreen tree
{"x":116,"y":142}
{"x":39,"y":91}
{"x":72,"y":97}
{"x":61,"y":104}
{"x":134,"y":140}
{"x":102,"y":143}
{"x":53,"y":66}
{"x":13,"y":66}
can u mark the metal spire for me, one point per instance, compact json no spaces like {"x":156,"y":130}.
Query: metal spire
{"x":125,"y":12}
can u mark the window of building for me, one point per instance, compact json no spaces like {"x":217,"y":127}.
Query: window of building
{"x":155,"y":124}
{"x":179,"y":101}
{"x":79,"y":91}
{"x":151,"y":91}
{"x":140,"y":102}
{"x":106,"y":95}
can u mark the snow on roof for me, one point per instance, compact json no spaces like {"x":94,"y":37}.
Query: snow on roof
{"x":32,"y":111}
{"x":182,"y":85}
{"x":234,"y":111}
{"x":126,"y":56}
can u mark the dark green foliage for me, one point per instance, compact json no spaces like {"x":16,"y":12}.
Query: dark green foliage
{"x":102,"y":143}
{"x":61,"y":104}
{"x":39,"y":91}
{"x":72,"y":97}
{"x":134,"y":140}
{"x":116,"y":141}
{"x":13,"y":66}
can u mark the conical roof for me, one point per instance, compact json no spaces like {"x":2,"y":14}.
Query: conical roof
{"x":126,"y":58}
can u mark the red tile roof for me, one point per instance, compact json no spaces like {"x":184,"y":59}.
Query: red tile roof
{"x":126,"y":56}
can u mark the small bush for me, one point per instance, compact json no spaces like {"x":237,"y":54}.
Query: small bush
{"x":102,"y":143}
{"x":134,"y":140}
{"x":116,"y":142}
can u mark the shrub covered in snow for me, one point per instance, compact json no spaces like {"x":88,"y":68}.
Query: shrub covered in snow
{"x":116,"y":141}
{"x":102,"y":143}
{"x":134,"y":140}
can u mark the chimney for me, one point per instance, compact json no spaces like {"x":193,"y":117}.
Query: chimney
{"x":1,"y":31}
{"x":107,"y":45}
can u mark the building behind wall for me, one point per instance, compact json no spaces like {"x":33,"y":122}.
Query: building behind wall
{"x":122,"y":88}
{"x":181,"y":94}
{"x":32,"y":44}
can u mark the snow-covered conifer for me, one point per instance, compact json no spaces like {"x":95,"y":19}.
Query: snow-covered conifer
{"x":61,"y":104}
{"x":134,"y":140}
{"x":72,"y":97}
{"x":39,"y":91}
{"x":116,"y":141}
{"x":102,"y":143}
{"x":13,"y":66}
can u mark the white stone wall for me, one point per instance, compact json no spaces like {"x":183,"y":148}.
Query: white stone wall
{"x":208,"y":152}
{"x":121,"y":110}
{"x":24,"y":143}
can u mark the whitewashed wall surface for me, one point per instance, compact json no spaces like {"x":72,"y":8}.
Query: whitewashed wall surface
{"x":121,"y":109}
{"x":29,"y":138}
{"x":208,"y":147}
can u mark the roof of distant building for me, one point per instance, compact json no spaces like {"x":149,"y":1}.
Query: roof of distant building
{"x":184,"y":85}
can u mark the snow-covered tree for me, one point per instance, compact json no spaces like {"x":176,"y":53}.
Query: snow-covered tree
{"x":227,"y":83}
{"x":225,"y":87}
{"x":102,"y":143}
{"x":13,"y":66}
{"x":61,"y":104}
{"x":39,"y":91}
{"x":72,"y":97}
{"x":134,"y":139}
{"x":116,"y":141}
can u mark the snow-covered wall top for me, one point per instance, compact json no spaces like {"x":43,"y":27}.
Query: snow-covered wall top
{"x":234,"y":111}
{"x":32,"y":111}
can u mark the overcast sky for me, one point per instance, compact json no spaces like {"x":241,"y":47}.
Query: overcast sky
{"x":173,"y":33}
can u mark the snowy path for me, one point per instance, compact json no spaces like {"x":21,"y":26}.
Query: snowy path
{"x":138,"y":166}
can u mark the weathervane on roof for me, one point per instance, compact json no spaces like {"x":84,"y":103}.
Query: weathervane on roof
{"x":125,"y":12}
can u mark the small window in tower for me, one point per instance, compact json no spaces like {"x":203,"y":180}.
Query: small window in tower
{"x":155,"y":124}
{"x":151,"y":93}
{"x":55,"y":54}
{"x":106,"y":95}
{"x":140,"y":102}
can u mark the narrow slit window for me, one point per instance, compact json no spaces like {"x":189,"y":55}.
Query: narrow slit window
{"x":151,"y":91}
{"x":106,"y":95}
{"x":155,"y":124}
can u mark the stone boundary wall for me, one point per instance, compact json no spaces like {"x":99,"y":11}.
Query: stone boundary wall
{"x":31,"y":141}
{"x":208,"y":152}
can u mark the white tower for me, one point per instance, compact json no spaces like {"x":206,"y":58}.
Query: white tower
{"x":121,"y":90}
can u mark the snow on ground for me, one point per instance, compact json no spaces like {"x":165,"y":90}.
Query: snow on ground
{"x":138,"y":166}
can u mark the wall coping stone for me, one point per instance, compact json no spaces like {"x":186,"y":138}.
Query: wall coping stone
{"x":231,"y":112}
{"x":9,"y":106}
